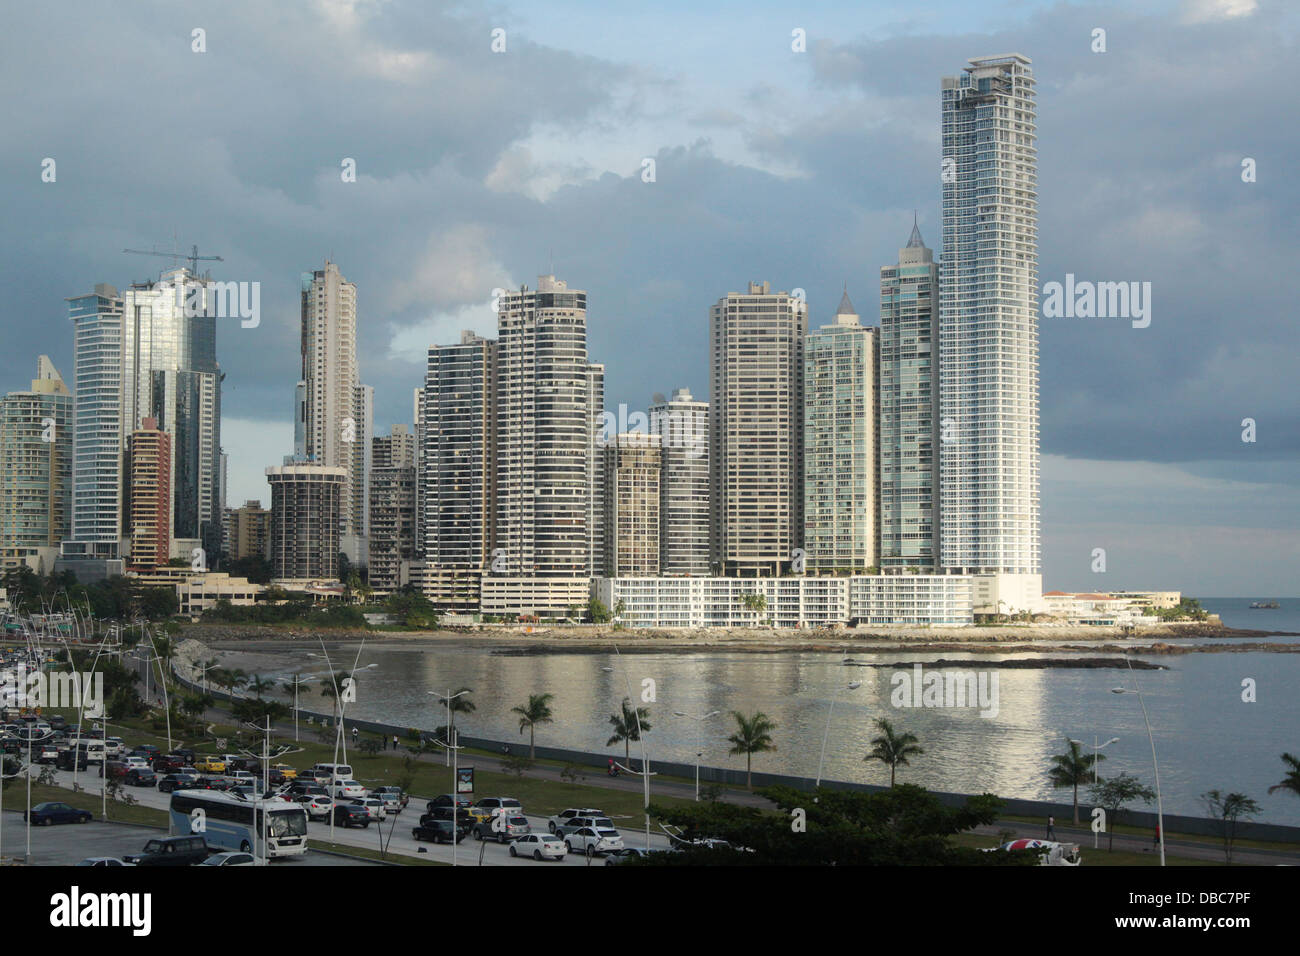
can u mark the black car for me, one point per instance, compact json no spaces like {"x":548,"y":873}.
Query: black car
{"x":174,"y":781}
{"x":147,"y":751}
{"x":172,"y":851}
{"x":447,"y":799}
{"x":45,"y":814}
{"x":213,"y":783}
{"x":444,"y":814}
{"x":351,"y":814}
{"x":438,"y":831}
{"x":139,"y":777}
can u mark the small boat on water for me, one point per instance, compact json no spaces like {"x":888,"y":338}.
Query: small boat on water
{"x":1264,"y":606}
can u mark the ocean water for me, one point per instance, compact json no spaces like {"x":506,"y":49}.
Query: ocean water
{"x":1206,"y":736}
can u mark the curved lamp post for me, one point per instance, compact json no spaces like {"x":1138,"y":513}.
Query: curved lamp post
{"x":1160,"y":813}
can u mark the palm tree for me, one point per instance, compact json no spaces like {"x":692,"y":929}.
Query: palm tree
{"x":536,"y":711}
{"x":752,"y":736}
{"x":332,"y":687}
{"x":1292,"y":780}
{"x":259,"y":684}
{"x":1071,"y":769}
{"x":891,"y":748}
{"x":754,"y":601}
{"x":628,"y":726}
{"x":459,"y":704}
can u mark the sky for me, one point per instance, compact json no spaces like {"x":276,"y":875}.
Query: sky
{"x":479,"y":169}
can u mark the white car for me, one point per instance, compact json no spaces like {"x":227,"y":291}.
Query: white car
{"x":114,"y":746}
{"x":374,"y":807}
{"x":540,"y":846}
{"x":348,"y":790}
{"x":232,"y":858}
{"x":103,"y":861}
{"x":591,"y":841}
{"x":135,"y":763}
{"x":564,"y":816}
{"x":317,"y":807}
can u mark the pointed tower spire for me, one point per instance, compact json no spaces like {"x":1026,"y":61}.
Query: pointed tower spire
{"x":915,"y":241}
{"x":846,"y":307}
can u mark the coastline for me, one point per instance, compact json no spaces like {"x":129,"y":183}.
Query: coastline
{"x":595,"y":639}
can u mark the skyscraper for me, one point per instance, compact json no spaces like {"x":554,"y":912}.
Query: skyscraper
{"x":841,"y":390}
{"x":36,"y":435}
{"x":392,"y":509}
{"x":149,"y":507}
{"x":632,"y":467}
{"x":100,"y":436}
{"x":170,"y":373}
{"x":682,"y":424}
{"x":545,"y":427}
{"x":305,"y":502}
{"x":909,"y":403}
{"x":458,"y":478}
{"x":756,"y":384}
{"x":333,"y":411}
{"x":988,"y":320}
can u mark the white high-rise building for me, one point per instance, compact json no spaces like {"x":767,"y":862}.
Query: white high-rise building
{"x":756,"y":385}
{"x":545,"y":429}
{"x":334,"y":412}
{"x":841,"y":391}
{"x":682,"y":424}
{"x":988,"y":321}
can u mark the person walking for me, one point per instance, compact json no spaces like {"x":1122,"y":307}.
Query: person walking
{"x":1155,"y":840}
{"x":1051,"y":828}
{"x":394,"y":741}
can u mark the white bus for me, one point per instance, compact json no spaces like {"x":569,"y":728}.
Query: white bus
{"x":232,"y":823}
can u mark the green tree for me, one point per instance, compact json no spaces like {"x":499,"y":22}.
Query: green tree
{"x":628,"y":725}
{"x":536,"y":711}
{"x":754,"y":601}
{"x":753,"y":736}
{"x":1114,"y":793}
{"x":1071,"y":769}
{"x":1291,"y":782}
{"x":893,"y":749}
{"x":1228,"y":808}
{"x":460,"y":704}
{"x":260,"y":685}
{"x":597,"y":611}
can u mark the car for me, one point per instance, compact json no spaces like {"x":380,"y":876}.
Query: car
{"x":373,"y":806}
{"x":574,"y":824}
{"x":103,"y":861}
{"x":438,"y":831}
{"x":114,"y":747}
{"x":540,"y":846}
{"x":289,"y":772}
{"x":502,"y":827}
{"x":444,"y":813}
{"x":212,"y":783}
{"x":135,"y":760}
{"x":230,"y":858}
{"x":185,"y":753}
{"x":304,"y":788}
{"x":629,"y":853}
{"x":350,"y":815}
{"x":172,"y":851}
{"x":564,"y":816}
{"x":242,"y":776}
{"x":148,"y":751}
{"x":275,"y":778}
{"x":46,"y":754}
{"x":113,"y":768}
{"x":593,"y":841}
{"x":394,"y":799}
{"x":489,"y":807}
{"x":168,"y":763}
{"x":188,"y":772}
{"x":210,"y":764}
{"x":175,"y":781}
{"x":141,"y":777}
{"x":46,"y":814}
{"x":318,"y":806}
{"x":348,"y":790}
{"x":447,"y":800}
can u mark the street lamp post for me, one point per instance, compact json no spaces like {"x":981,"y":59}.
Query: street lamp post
{"x":453,"y":752}
{"x":1096,"y":748}
{"x":1155,"y":766}
{"x":852,"y":685}
{"x":699,"y":741}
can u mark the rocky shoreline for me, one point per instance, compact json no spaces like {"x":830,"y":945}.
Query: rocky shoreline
{"x":515,"y":639}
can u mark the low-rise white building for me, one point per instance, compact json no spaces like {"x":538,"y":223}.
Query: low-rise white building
{"x":794,"y":601}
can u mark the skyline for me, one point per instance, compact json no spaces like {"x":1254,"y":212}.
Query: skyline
{"x":1193,"y":379}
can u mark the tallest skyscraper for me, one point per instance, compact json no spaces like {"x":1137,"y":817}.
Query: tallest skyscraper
{"x":988,"y":321}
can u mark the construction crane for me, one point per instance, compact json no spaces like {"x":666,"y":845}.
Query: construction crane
{"x":193,"y":257}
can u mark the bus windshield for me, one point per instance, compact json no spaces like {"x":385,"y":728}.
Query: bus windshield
{"x":292,"y":823}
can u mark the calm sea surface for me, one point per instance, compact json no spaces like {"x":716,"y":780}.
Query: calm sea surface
{"x":1206,"y":736}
